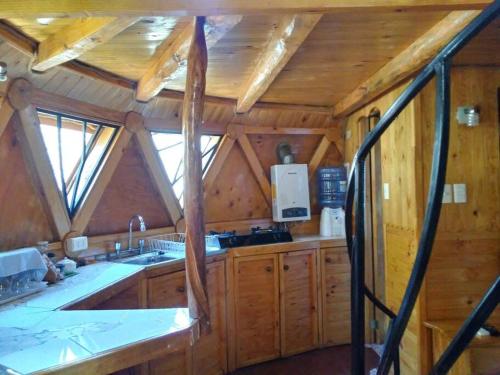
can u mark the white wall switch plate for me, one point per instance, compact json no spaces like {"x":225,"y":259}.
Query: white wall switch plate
{"x":386,"y":191}
{"x":460,"y":193}
{"x":348,"y":134}
{"x":447,"y":194}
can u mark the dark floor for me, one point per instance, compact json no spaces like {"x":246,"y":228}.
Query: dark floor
{"x":330,"y":361}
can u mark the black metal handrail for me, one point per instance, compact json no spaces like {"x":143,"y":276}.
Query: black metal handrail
{"x":440,"y":67}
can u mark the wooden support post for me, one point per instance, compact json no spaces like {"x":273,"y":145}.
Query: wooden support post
{"x":318,"y":155}
{"x":192,"y":118}
{"x":6,"y":112}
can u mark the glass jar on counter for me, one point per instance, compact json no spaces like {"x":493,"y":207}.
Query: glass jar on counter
{"x":43,"y":247}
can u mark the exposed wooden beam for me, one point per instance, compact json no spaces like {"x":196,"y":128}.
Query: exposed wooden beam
{"x":6,"y":112}
{"x":83,"y":8}
{"x":77,"y":38}
{"x":291,"y":31}
{"x":218,"y":162}
{"x":256,"y":167}
{"x":172,"y":61}
{"x":406,"y":63}
{"x":82,"y":217}
{"x":158,"y":174}
{"x":318,"y":155}
{"x":38,"y":161}
{"x":192,"y":119}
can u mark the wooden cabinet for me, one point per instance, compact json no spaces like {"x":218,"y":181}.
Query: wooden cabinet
{"x":298,"y":302}
{"x":256,"y":308}
{"x":208,"y":354}
{"x":336,"y":295}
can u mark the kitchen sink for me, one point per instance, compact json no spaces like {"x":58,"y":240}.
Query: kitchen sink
{"x":145,"y":259}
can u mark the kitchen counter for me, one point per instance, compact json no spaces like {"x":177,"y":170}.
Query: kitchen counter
{"x":36,"y":336}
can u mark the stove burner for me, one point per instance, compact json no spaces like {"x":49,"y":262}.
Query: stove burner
{"x":258,"y":236}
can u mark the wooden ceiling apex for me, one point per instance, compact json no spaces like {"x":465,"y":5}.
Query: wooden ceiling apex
{"x":406,"y":63}
{"x":173,"y":60}
{"x":76,"y":39}
{"x":51,"y":8}
{"x":284,"y":42}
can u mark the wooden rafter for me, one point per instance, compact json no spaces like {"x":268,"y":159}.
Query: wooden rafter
{"x":158,"y":174}
{"x":51,"y":8}
{"x":38,"y":161}
{"x":318,"y":156}
{"x":6,"y":112}
{"x":83,"y":215}
{"x":256,"y":167}
{"x":78,"y":38}
{"x":406,"y":63}
{"x":172,"y":61}
{"x":218,"y":162}
{"x":291,"y":31}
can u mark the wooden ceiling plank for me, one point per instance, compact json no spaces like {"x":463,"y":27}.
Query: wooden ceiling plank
{"x":173,"y":60}
{"x":406,"y":63}
{"x":82,"y":217}
{"x":318,"y":155}
{"x":159,"y":175}
{"x":76,"y":39}
{"x":37,"y":159}
{"x":53,"y":8}
{"x":256,"y":167}
{"x":284,"y":42}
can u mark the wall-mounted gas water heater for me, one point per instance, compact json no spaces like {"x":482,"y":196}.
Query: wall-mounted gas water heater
{"x":290,"y":192}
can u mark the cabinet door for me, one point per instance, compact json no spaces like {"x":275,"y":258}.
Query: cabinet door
{"x":209,"y":352}
{"x":256,"y":299}
{"x":336,"y":295}
{"x":298,"y":302}
{"x":167,"y":291}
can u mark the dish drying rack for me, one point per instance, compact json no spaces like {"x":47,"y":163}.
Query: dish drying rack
{"x":176,"y":243}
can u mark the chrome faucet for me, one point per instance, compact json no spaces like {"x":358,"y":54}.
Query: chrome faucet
{"x":142,"y":227}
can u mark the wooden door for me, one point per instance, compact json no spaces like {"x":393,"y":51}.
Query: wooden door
{"x":209,"y":352}
{"x":336,"y":295}
{"x":256,"y":299}
{"x":298,"y":302}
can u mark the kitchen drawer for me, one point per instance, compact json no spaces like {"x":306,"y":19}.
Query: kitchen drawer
{"x":167,"y":290}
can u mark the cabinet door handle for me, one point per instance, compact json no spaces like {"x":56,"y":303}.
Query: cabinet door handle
{"x":180,"y":289}
{"x":269,"y":269}
{"x":328,"y":260}
{"x":286,"y":267}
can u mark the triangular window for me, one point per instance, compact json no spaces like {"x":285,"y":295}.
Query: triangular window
{"x":76,"y":147}
{"x":170,"y":146}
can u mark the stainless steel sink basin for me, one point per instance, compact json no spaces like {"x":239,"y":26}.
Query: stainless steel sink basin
{"x":148,"y":258}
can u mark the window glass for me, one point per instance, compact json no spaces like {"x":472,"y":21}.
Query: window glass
{"x":76,"y":149}
{"x":170,"y":147}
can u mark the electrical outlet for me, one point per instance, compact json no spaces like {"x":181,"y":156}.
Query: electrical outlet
{"x":387,"y":192}
{"x":76,"y":244}
{"x":460,"y":193}
{"x":447,"y":194}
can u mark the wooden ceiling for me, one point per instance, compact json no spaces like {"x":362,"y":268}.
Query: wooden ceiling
{"x":335,"y":53}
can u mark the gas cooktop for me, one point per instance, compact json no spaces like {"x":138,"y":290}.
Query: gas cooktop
{"x":258,"y":236}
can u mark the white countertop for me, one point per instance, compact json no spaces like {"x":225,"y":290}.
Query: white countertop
{"x":36,"y":335}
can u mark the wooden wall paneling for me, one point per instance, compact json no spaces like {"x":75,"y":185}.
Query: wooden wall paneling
{"x":286,"y":38}
{"x":158,"y":174}
{"x":256,"y":167}
{"x":406,"y":63}
{"x":83,"y":216}
{"x":298,"y":302}
{"x":77,"y":38}
{"x":131,"y":190}
{"x":23,"y":219}
{"x":235,"y":194}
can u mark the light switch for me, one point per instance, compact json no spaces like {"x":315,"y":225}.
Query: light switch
{"x":386,"y":191}
{"x":459,"y":193}
{"x":447,"y":194}
{"x":348,"y":134}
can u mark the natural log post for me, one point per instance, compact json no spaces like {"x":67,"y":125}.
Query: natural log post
{"x":192,"y":117}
